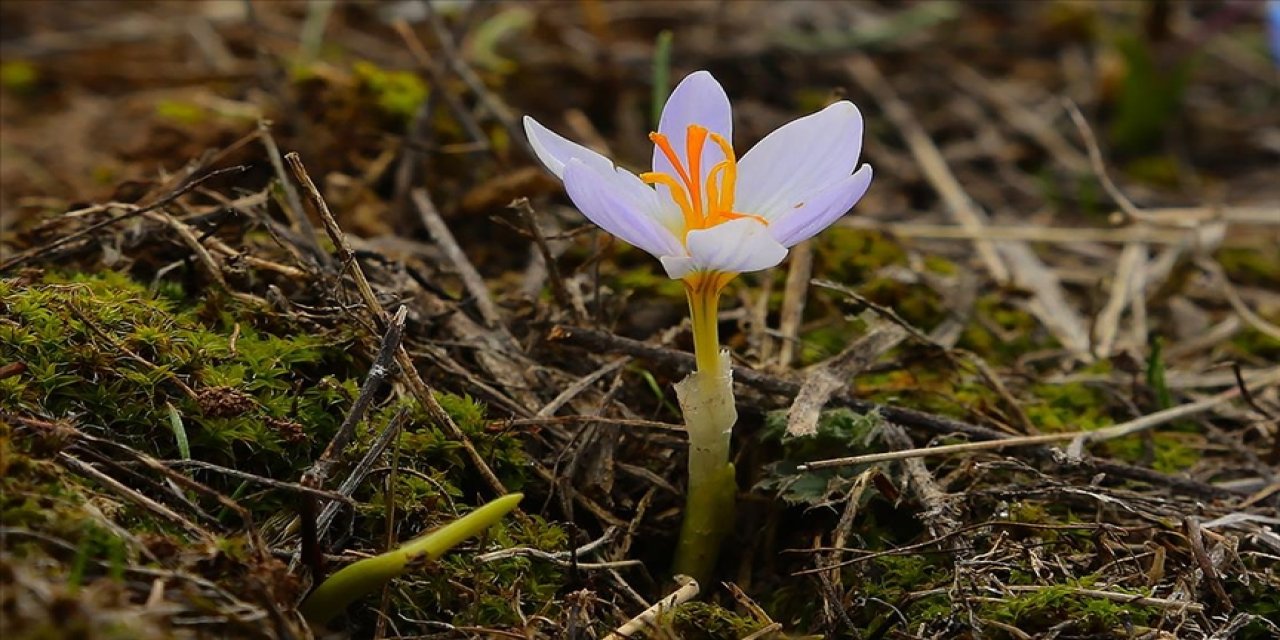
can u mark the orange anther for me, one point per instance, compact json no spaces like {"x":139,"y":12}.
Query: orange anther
{"x":720,"y":185}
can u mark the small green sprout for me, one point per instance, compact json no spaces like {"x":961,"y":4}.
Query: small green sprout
{"x":363,"y":577}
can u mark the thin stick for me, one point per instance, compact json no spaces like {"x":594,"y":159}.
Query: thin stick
{"x":438,"y":79}
{"x":985,"y":445}
{"x":95,"y":447}
{"x":495,"y":105}
{"x":1022,"y":118}
{"x":345,"y":253}
{"x":296,"y":212}
{"x":1049,"y":304}
{"x":421,"y":391}
{"x":959,"y":205}
{"x":1176,"y":413}
{"x":621,"y":422}
{"x":83,"y":468}
{"x":471,"y":278}
{"x":378,"y":372}
{"x":824,"y":380}
{"x":1114,"y":596}
{"x":558,"y":289}
{"x":794,"y":295}
{"x":1098,"y":435}
{"x":679,"y":362}
{"x":688,"y":589}
{"x":131,"y":212}
{"x":1099,"y":167}
{"x":1237,"y":303}
{"x":361,"y":470}
{"x":1066,"y":235}
{"x":1195,"y":535}
{"x":572,"y":391}
{"x":583,"y":550}
{"x":269,"y":482}
{"x":1122,"y":291}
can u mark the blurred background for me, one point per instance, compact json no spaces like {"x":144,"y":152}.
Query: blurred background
{"x":104,"y":93}
{"x":1082,"y":195}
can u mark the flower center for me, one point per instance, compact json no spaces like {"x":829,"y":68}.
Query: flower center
{"x":702,"y":205}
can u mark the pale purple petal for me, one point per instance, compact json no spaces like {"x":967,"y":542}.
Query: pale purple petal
{"x":736,"y":246}
{"x":698,"y":99}
{"x":678,"y":266}
{"x":628,"y":214}
{"x":799,"y":159}
{"x":821,"y":210}
{"x":555,"y":151}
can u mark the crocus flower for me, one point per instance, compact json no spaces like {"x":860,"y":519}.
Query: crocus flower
{"x":709,"y":217}
{"x":703,"y":212}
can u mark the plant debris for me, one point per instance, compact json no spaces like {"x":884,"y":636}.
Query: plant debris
{"x":281,"y":289}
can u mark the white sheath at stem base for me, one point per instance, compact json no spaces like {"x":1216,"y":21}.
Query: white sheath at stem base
{"x":706,"y":398}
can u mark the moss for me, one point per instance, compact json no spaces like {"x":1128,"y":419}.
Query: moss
{"x":706,"y":621}
{"x":180,"y":112}
{"x":940,"y":265}
{"x":1159,"y":170}
{"x":918,"y":304}
{"x":1001,"y":331}
{"x":19,"y":76}
{"x":822,"y":343}
{"x":428,"y":448}
{"x":38,"y":495}
{"x":124,"y":360}
{"x":1258,"y":595}
{"x":885,"y":586}
{"x":1251,"y":343}
{"x":891,"y":577}
{"x":1258,"y":267}
{"x":938,"y":387}
{"x":1169,"y":452}
{"x":1068,"y":407}
{"x":105,"y":349}
{"x":1029,"y":512}
{"x":854,"y":255}
{"x":501,"y":592}
{"x":1045,"y":607}
{"x":840,"y":432}
{"x":396,"y":93}
{"x":50,"y":605}
{"x":646,"y":279}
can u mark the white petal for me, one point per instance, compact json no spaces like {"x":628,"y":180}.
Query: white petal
{"x":698,"y":99}
{"x":799,"y":159}
{"x":678,"y":266}
{"x":627,"y":213}
{"x":736,"y":246}
{"x":821,"y":209}
{"x":555,"y":151}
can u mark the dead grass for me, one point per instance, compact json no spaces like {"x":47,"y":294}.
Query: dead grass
{"x":268,"y":306}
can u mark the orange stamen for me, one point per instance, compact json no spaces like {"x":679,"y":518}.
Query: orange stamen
{"x":715,"y":199}
{"x":695,"y":140}
{"x":729,"y":185}
{"x":691,"y":219}
{"x":720,"y":185}
{"x":734,"y":215}
{"x":665,"y":146}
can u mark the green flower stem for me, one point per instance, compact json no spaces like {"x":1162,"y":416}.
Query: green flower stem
{"x":360,"y":578}
{"x":706,"y":397}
